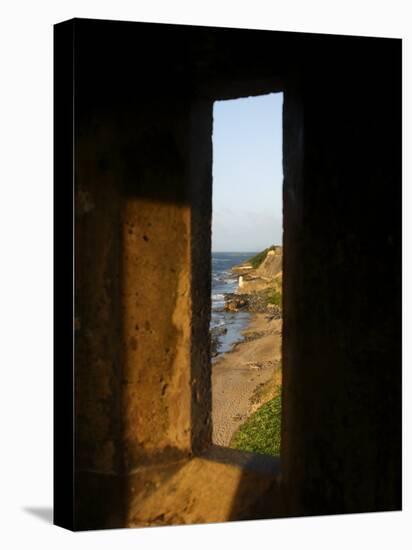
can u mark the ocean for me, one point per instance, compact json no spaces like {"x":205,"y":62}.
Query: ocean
{"x":224,"y":282}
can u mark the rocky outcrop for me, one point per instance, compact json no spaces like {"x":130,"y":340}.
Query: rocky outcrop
{"x":271,"y":265}
{"x":235,"y":302}
{"x":267,"y":275}
{"x":246,"y":267}
{"x":257,"y":302}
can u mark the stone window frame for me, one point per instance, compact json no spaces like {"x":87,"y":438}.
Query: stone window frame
{"x":246,"y":485}
{"x":141,"y":450}
{"x":164,"y":450}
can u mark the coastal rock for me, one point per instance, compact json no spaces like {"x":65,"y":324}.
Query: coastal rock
{"x":274,"y":311}
{"x":266,"y":273}
{"x":215,"y":333}
{"x":256,"y":302}
{"x":218,"y":331}
{"x":243,"y":268}
{"x":234,"y":302}
{"x":271,"y":265}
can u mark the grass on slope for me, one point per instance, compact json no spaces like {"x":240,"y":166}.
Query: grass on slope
{"x":261,"y":431}
{"x":274,"y":297}
{"x":256,"y":260}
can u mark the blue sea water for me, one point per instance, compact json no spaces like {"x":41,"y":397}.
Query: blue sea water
{"x":224,"y":282}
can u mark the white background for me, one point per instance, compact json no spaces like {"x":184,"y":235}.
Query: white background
{"x":26,"y":272}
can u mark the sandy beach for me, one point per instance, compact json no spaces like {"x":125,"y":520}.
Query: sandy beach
{"x":237,"y":376}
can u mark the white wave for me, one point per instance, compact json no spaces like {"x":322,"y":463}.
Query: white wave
{"x":217,"y":323}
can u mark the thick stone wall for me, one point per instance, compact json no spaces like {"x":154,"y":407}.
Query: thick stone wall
{"x":133,"y":292}
{"x":342,"y":346}
{"x":143,"y":104}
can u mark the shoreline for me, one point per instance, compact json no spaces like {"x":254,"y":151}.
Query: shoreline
{"x":240,"y":375}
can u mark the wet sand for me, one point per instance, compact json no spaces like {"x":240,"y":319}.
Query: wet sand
{"x":237,"y":374}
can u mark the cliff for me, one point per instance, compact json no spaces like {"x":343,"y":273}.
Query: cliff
{"x":259,"y":288}
{"x":266,"y":274}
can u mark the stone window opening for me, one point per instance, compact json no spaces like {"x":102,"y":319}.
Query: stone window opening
{"x":140,"y":167}
{"x":165,"y":390}
{"x":246,"y":316}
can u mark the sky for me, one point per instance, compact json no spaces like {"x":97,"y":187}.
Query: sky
{"x":247,"y":173}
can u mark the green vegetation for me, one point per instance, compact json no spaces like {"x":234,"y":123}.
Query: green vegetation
{"x":274,"y":297}
{"x":261,"y":431}
{"x":256,"y":260}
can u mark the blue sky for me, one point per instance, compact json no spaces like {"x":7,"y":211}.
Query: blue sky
{"x":247,"y":173}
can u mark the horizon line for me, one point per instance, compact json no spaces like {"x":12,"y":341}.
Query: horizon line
{"x":243,"y":251}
